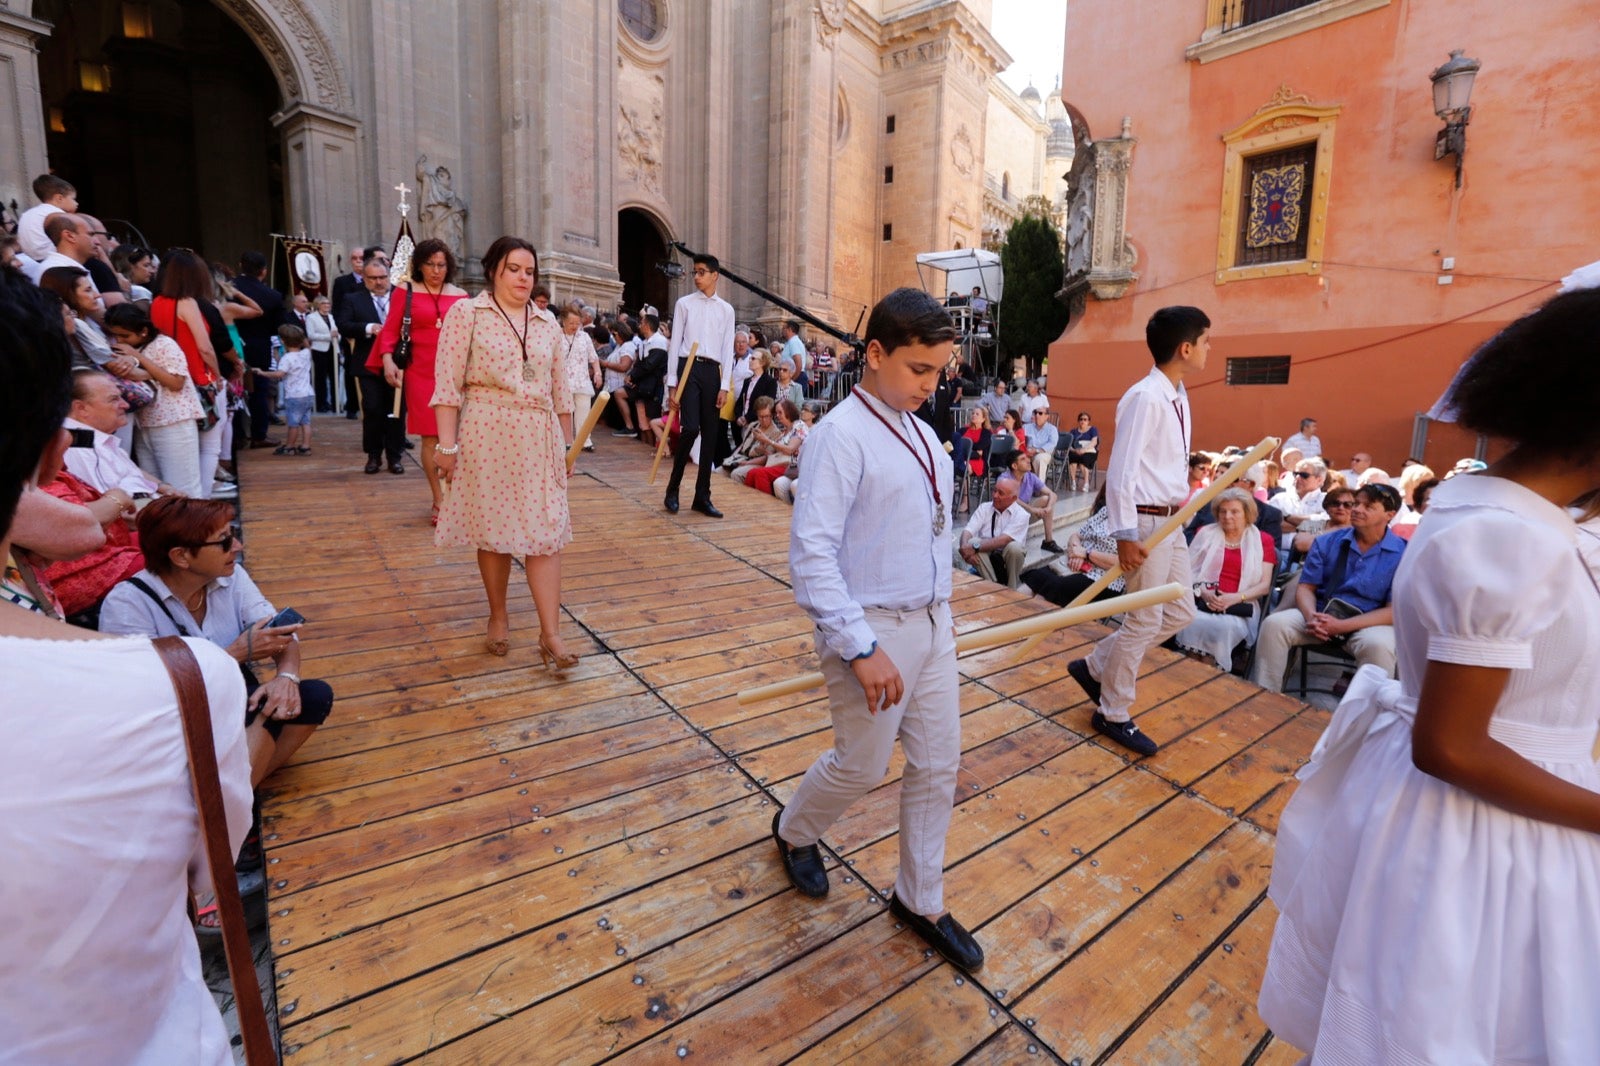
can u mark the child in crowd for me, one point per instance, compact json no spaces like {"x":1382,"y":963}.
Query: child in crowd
{"x":1036,"y":499}
{"x":294,"y":370}
{"x":55,"y":196}
{"x":869,"y":556}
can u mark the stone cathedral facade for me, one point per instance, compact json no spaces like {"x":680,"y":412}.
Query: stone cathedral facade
{"x":814,"y":145}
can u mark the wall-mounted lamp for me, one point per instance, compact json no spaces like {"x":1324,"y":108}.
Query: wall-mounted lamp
{"x":1452,"y":92}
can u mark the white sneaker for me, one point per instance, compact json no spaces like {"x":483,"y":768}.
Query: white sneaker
{"x":223,"y":475}
{"x":224,"y":491}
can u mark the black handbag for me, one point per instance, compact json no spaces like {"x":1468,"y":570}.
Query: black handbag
{"x":402,"y":348}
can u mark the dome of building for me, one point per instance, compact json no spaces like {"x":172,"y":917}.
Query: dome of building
{"x":1059,"y":144}
{"x":1030,"y":95}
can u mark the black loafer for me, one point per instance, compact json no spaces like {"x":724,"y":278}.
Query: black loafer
{"x":374,"y":465}
{"x":946,"y":936}
{"x":1079,"y":669}
{"x":671,"y":504}
{"x":396,"y":467}
{"x":706,"y":509}
{"x":1125,"y":733}
{"x":803,"y":865}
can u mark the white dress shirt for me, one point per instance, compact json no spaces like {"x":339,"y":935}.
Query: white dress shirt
{"x":1026,"y":405}
{"x":986,"y":523}
{"x":708,"y":322}
{"x":615,"y":379}
{"x":1150,"y":456}
{"x":106,"y":466}
{"x":862,"y":534}
{"x":1309,"y":447}
{"x":30,"y":231}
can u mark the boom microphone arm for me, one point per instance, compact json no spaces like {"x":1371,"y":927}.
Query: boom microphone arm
{"x":833,"y":331}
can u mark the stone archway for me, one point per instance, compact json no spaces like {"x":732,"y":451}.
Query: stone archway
{"x":641,"y":245}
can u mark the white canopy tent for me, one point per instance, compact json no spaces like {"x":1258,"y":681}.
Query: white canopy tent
{"x":964,"y":268}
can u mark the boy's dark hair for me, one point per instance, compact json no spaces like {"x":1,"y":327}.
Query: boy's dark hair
{"x":793,"y":324}
{"x":1385,"y":496}
{"x":292,"y":336}
{"x":38,"y":361}
{"x":130,"y":316}
{"x":709,"y":262}
{"x":47,"y":185}
{"x":653,"y":321}
{"x":1307,"y":422}
{"x":251,"y":264}
{"x":909,"y":316}
{"x":374,"y":249}
{"x":1172,"y":327}
{"x":1535,"y":382}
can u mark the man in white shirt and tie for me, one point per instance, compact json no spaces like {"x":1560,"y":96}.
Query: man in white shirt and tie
{"x":702,"y":323}
{"x":996,"y":537}
{"x":1146,"y":483}
{"x":96,"y":457}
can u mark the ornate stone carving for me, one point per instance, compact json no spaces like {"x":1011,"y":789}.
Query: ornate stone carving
{"x":962,"y":155}
{"x":1112,"y":257}
{"x":830,"y":20}
{"x":291,"y":25}
{"x":1080,"y":220}
{"x":636,"y":147}
{"x":441,"y":212}
{"x":1283,"y":95}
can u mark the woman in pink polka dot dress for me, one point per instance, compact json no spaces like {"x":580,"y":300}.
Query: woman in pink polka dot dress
{"x":504,"y":411}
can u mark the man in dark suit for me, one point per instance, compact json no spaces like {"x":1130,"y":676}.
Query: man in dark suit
{"x":343,"y":286}
{"x":257,"y":334}
{"x":360,"y":319}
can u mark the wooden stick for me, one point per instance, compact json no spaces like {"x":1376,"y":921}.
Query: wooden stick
{"x":595,"y":410}
{"x":677,"y":398}
{"x":1173,"y":523}
{"x":981,"y":639}
{"x":399,"y":395}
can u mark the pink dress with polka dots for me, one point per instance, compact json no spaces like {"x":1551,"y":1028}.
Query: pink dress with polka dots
{"x":509,"y":492}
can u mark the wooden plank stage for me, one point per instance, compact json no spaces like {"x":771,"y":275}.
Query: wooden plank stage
{"x":478,"y":861}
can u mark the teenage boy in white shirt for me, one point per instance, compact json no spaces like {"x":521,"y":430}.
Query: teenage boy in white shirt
{"x":869,"y":556}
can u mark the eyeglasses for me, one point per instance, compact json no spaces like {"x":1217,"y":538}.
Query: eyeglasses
{"x":1328,"y":505}
{"x":229,"y":539}
{"x":701,"y":272}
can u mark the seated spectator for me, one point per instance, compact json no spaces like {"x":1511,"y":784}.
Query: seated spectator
{"x":1344,"y":593}
{"x":996,"y":538}
{"x":1374,"y":475}
{"x":100,"y":830}
{"x":73,"y":287}
{"x":1410,"y":477}
{"x":96,"y":421}
{"x":169,"y":429}
{"x":1360,"y":463}
{"x":646,"y":386}
{"x":1339,"y":504}
{"x":1306,"y":442}
{"x":1043,"y":438}
{"x":1035,"y":498}
{"x":1030,"y":401}
{"x":788,"y":388}
{"x":1267,"y":484}
{"x":756,"y":445}
{"x":137,"y":266}
{"x":1007,"y":439}
{"x":783,"y":487}
{"x":1268,"y":518}
{"x":793,"y":427}
{"x":1091,"y":551}
{"x":1303,"y":504}
{"x":81,"y":582}
{"x":1405,"y":523}
{"x":1232,"y":563}
{"x":1200,"y":466}
{"x":970,"y":450}
{"x":192,"y":585}
{"x":1289,"y":458}
{"x":618,"y":364}
{"x":1083,"y":452}
{"x":107,"y":282}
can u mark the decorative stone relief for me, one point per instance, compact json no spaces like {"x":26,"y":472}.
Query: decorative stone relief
{"x":830,"y":20}
{"x":962,"y":155}
{"x":640,"y":127}
{"x":441,"y":212}
{"x":310,"y":44}
{"x":1112,"y":257}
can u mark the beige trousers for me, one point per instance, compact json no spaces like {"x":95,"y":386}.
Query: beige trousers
{"x":1115,"y":660}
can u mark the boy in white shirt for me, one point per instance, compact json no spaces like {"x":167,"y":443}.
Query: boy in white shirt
{"x":869,"y":557}
{"x":294,"y":369}
{"x":55,"y":196}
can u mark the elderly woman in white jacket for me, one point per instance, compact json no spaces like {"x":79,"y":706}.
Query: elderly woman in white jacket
{"x":1232,"y":563}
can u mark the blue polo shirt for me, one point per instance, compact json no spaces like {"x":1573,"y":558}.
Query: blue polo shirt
{"x":1368,"y":577}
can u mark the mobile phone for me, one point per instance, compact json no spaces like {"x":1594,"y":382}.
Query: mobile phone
{"x":82,"y":438}
{"x":286,"y":617}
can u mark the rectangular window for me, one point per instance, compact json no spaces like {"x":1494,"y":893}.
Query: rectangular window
{"x":888,"y":231}
{"x":888,"y":126}
{"x":1258,"y":370}
{"x":1253,"y":11}
{"x":1275,"y":212}
{"x":888,"y":175}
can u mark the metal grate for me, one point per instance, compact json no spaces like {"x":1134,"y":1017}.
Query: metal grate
{"x":1301,"y":155}
{"x":1237,"y":13}
{"x":1258,"y":370}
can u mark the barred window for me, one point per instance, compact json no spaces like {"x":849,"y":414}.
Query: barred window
{"x":1275,"y":212}
{"x":1258,"y":370}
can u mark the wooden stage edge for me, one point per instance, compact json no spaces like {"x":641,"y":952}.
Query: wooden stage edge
{"x":479,"y":861}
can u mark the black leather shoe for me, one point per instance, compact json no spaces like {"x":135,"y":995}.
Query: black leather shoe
{"x":706,"y":509}
{"x":352,"y":415}
{"x":1125,"y":733}
{"x":396,"y":467}
{"x":803,"y":865}
{"x":1079,"y":669}
{"x":671,"y":504}
{"x":374,"y":464}
{"x":946,"y":936}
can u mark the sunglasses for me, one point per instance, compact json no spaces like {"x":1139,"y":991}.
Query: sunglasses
{"x":1329,"y":505}
{"x":229,"y":539}
{"x":1303,"y":473}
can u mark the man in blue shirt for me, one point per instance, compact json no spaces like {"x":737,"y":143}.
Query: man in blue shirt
{"x":1344,"y":594}
{"x":1042,"y":441}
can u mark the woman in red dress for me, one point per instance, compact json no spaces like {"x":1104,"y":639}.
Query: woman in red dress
{"x":433,"y":267}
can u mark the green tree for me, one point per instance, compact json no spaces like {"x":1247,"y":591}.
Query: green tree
{"x":1030,"y":315}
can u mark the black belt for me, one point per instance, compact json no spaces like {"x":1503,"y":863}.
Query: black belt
{"x":1160,"y":512}
{"x":707,"y":359}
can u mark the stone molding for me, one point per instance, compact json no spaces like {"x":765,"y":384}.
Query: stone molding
{"x":296,"y":45}
{"x":1216,"y":42}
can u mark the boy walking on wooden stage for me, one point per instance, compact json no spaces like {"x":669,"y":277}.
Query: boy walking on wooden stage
{"x":869,"y":555}
{"x":1147,"y":483}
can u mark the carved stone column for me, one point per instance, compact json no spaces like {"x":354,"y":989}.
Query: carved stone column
{"x":1111,"y":272}
{"x":20,"y":99}
{"x":322,"y":171}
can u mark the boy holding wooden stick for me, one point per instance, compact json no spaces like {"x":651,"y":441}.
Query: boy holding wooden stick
{"x":869,"y":555}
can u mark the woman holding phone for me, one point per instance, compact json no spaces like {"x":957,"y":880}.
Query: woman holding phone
{"x":193,"y":586}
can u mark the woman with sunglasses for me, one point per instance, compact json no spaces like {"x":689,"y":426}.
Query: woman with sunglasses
{"x":1083,"y":452}
{"x":192,"y":585}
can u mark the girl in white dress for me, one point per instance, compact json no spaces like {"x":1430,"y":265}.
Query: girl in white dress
{"x":1438,"y":871}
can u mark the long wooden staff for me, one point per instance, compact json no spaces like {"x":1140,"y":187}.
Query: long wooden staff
{"x":399,"y":395}
{"x":593,"y":418}
{"x":666,"y":423}
{"x":993,"y":636}
{"x":1172,"y":524}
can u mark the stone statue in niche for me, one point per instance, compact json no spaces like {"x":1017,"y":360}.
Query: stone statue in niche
{"x":1080,"y":226}
{"x":441,"y":212}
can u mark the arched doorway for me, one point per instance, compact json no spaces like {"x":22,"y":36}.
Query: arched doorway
{"x":159,"y":114}
{"x":641,"y":245}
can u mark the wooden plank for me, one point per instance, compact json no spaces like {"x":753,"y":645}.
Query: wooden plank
{"x":1280,"y":1053}
{"x":1238,"y":784}
{"x":939,"y":1017}
{"x":1009,"y":1046}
